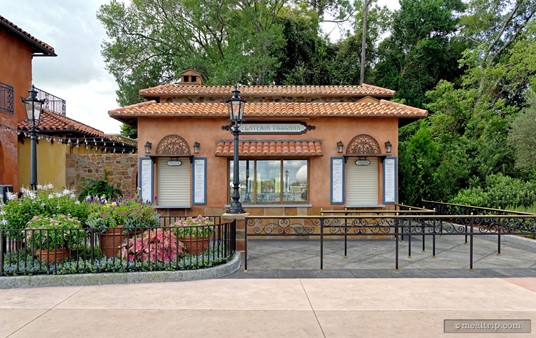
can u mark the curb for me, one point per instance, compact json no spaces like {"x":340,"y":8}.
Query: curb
{"x":121,"y":278}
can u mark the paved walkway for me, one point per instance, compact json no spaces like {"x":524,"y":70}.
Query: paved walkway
{"x":284,"y":294}
{"x":376,"y":259}
{"x":267,"y":308}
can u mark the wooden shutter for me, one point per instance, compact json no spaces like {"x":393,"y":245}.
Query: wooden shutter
{"x":362,"y":183}
{"x":174,"y":183}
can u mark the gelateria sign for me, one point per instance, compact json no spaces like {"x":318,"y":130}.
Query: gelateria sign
{"x":275,"y":128}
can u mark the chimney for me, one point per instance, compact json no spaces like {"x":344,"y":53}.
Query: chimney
{"x":191,"y":78}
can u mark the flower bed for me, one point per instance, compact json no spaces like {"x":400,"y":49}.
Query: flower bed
{"x":44,"y":232}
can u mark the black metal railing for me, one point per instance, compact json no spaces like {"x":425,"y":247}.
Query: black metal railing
{"x":52,"y":102}
{"x":76,"y":251}
{"x":396,"y":227}
{"x":7,"y":103}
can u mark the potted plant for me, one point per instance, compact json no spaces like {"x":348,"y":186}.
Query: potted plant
{"x":50,"y":237}
{"x":195,"y":233}
{"x":116,"y":220}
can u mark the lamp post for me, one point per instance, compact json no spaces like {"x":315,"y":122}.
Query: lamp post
{"x":236,"y":113}
{"x":33,"y":113}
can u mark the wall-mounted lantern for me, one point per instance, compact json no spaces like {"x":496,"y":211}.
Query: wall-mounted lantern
{"x":148,"y":146}
{"x":340,"y":146}
{"x":388,"y":147}
{"x":196,"y":147}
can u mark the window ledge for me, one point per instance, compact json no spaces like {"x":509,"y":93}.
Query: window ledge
{"x":274,"y":206}
{"x":365,"y":206}
{"x":172,"y":206}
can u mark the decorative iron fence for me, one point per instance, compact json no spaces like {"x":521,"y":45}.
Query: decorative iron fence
{"x":75,"y":251}
{"x":396,"y":227}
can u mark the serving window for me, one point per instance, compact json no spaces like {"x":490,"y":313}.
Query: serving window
{"x":271,"y":181}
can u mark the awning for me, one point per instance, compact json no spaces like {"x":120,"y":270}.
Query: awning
{"x":270,"y":148}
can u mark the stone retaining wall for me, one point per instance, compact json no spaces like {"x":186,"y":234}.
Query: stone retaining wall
{"x":122,"y":170}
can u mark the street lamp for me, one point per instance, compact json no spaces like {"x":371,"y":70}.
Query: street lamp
{"x":236,"y":113}
{"x":33,"y":106}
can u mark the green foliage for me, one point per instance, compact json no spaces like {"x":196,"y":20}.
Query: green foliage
{"x":421,"y":49}
{"x":129,"y":131}
{"x":53,"y":232}
{"x":500,"y":192}
{"x":522,"y":139}
{"x":44,"y":202}
{"x":100,"y":188}
{"x":129,"y":214}
{"x":418,"y":157}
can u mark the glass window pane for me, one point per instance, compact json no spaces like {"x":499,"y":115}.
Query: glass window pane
{"x":246,"y":169}
{"x":268,"y":184}
{"x":295,"y":180}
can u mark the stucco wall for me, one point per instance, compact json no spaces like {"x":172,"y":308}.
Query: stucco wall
{"x":16,"y":71}
{"x":329,"y":130}
{"x":122,"y":170}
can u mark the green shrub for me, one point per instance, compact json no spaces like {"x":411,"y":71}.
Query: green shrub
{"x":128,"y":213}
{"x":18,"y":211}
{"x":54,"y":232}
{"x":100,"y":188}
{"x":500,"y":192}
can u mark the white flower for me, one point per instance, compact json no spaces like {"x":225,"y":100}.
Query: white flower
{"x":11,"y":196}
{"x":3,"y":222}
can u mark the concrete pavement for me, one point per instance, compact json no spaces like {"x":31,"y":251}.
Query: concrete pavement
{"x":267,"y":308}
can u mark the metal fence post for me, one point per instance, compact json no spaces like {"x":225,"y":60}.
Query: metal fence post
{"x":499,"y":237}
{"x":2,"y":251}
{"x":409,"y":238}
{"x":396,"y":240}
{"x":321,"y":244}
{"x":245,"y":244}
{"x":471,"y":247}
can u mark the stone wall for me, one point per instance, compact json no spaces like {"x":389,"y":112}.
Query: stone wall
{"x":122,"y":170}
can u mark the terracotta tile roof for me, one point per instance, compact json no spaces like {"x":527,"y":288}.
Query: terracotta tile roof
{"x":178,"y":90}
{"x":381,"y":108}
{"x":270,"y":148}
{"x":38,"y":47}
{"x":52,"y":122}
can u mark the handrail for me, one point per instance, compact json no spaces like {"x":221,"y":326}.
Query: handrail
{"x":479,"y":208}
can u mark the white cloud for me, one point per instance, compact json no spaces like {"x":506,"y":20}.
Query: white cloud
{"x":77,"y":74}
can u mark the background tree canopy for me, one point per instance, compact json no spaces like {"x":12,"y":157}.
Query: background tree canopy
{"x":471,"y":63}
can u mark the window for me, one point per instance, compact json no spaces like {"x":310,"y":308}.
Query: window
{"x":271,"y":181}
{"x":6,"y":98}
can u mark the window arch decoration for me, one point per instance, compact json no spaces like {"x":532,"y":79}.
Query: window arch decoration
{"x":173,"y":145}
{"x":363,"y":144}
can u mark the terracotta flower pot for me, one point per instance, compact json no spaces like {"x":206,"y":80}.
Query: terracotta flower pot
{"x":195,"y":245}
{"x":53,"y":255}
{"x":110,"y":241}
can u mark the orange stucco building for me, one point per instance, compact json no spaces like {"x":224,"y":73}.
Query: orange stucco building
{"x":301,"y":148}
{"x":18,"y":49}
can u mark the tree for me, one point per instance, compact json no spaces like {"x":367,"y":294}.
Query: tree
{"x":521,"y":137}
{"x":421,"y":49}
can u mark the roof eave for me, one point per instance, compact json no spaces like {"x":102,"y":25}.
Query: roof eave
{"x":37,"y":48}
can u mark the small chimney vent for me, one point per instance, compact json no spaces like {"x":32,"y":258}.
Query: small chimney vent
{"x":190,"y":77}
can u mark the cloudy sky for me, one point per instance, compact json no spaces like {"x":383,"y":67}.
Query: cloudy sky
{"x":77,"y":74}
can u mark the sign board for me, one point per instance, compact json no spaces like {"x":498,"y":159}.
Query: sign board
{"x":200,"y":180}
{"x":275,"y":128}
{"x":389,"y":180}
{"x":337,"y":180}
{"x":146,"y":179}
